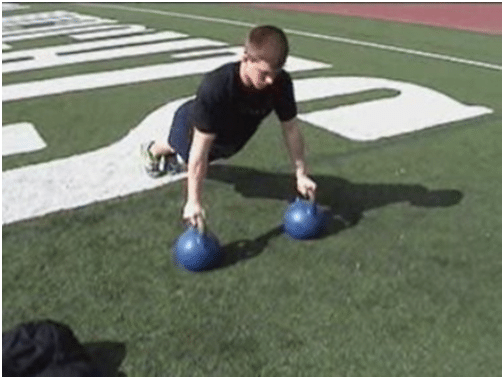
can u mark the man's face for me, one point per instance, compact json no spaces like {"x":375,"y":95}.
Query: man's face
{"x":259,"y":72}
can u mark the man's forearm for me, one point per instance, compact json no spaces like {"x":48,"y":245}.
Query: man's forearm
{"x":295,"y":146}
{"x":196,"y":173}
{"x":197,"y":166}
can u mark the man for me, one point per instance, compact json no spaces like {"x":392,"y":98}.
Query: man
{"x":230,"y":104}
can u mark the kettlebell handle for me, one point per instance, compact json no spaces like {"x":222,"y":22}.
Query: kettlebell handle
{"x":201,"y":226}
{"x":311,"y":200}
{"x":309,"y":196}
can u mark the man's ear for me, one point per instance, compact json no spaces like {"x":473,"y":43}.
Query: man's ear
{"x":244,"y":56}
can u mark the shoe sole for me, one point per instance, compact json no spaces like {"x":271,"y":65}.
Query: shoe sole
{"x":148,"y":162}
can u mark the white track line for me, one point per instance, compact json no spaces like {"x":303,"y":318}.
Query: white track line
{"x":306,"y":34}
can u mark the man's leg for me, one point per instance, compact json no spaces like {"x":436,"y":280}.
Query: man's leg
{"x":174,"y":150}
{"x":160,"y":158}
{"x":160,"y":148}
{"x":151,"y":162}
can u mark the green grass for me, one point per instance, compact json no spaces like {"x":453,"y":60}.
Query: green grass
{"x":413,"y":288}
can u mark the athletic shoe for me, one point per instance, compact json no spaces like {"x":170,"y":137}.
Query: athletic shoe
{"x":174,"y":164}
{"x":151,"y":163}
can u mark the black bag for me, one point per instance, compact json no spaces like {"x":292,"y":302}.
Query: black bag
{"x":45,"y":348}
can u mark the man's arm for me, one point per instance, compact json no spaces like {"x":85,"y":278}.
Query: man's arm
{"x":295,"y":145}
{"x":196,"y":172}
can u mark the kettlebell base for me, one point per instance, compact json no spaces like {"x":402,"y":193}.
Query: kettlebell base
{"x":310,"y":235}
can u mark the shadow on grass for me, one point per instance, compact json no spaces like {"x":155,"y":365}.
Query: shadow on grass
{"x":246,"y":249}
{"x":107,"y":356}
{"x":344,"y":202}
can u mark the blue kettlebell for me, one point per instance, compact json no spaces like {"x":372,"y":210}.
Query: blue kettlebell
{"x":303,"y":219}
{"x":197,"y":250}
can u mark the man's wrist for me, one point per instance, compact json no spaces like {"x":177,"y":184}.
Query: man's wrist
{"x":301,"y":170}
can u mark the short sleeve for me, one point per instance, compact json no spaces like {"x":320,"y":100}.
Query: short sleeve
{"x":285,"y":103}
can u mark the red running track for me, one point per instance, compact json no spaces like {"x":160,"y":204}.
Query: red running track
{"x":476,"y":17}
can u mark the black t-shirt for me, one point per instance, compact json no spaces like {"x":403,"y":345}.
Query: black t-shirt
{"x":225,"y":107}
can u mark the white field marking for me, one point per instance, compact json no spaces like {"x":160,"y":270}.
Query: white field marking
{"x":310,"y":35}
{"x":52,"y":16}
{"x":20,"y":138}
{"x":171,"y":14}
{"x":7,"y":7}
{"x":28,"y":25}
{"x":87,"y":46}
{"x":415,"y":108}
{"x":44,"y":61}
{"x":399,"y":50}
{"x":79,"y":180}
{"x":62,"y":31}
{"x":38,"y":88}
{"x":26,"y":33}
{"x":22,"y":23}
{"x":27,"y":19}
{"x":46,"y":29}
{"x":115,"y":170}
{"x":202,"y":53}
{"x":127,"y":30}
{"x":6,"y":47}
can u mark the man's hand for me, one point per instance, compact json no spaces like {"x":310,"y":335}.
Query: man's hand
{"x":306,"y":186}
{"x":295,"y":145}
{"x":197,"y":166}
{"x":194,"y":214}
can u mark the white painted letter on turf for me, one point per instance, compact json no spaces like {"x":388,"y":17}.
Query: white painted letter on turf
{"x":68,"y":183}
{"x":115,"y":170}
{"x":20,"y":138}
{"x":45,"y":87}
{"x":415,"y":108}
